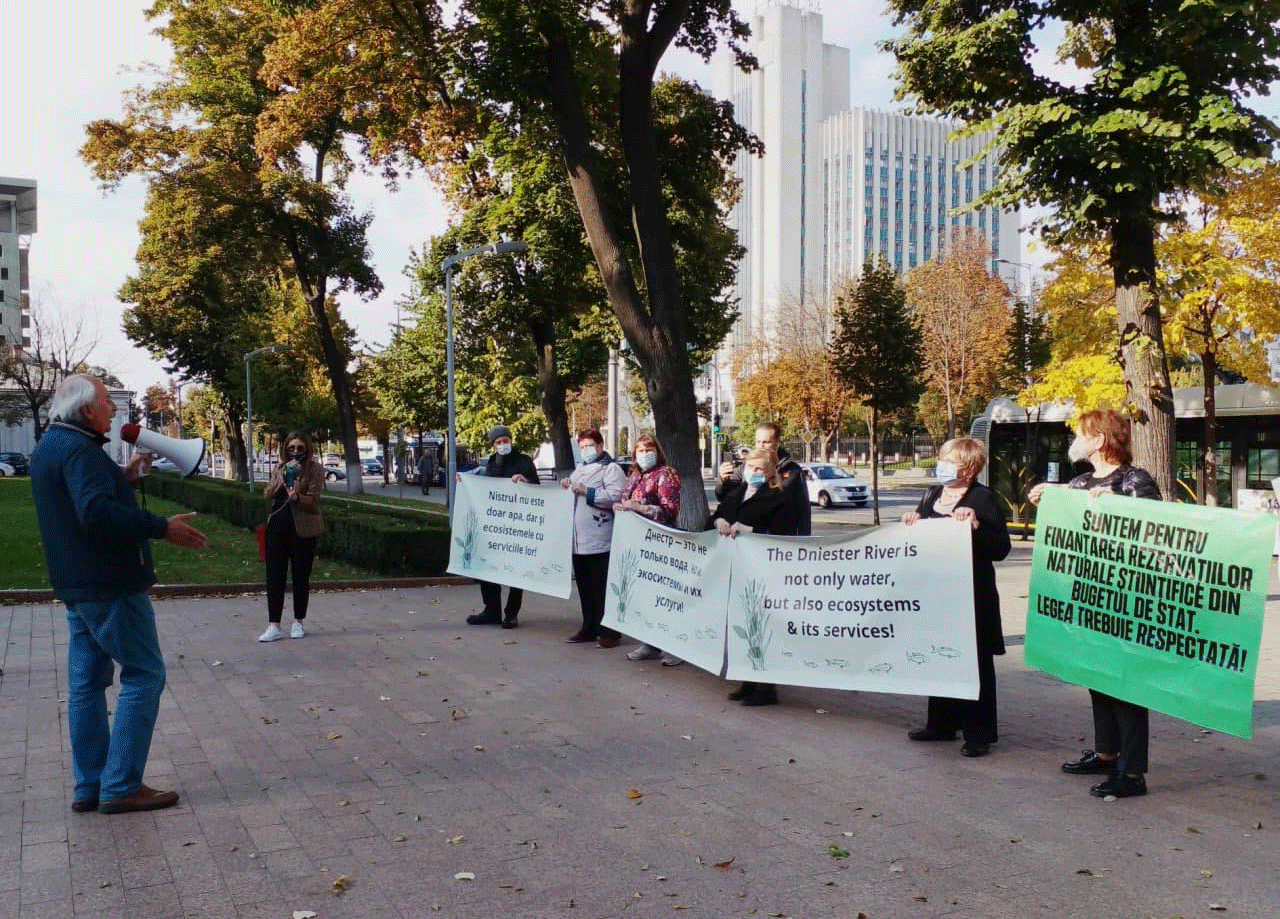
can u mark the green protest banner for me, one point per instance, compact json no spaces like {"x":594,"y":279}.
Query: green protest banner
{"x":1158,"y":604}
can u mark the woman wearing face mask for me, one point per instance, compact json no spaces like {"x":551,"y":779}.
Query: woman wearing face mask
{"x":1120,"y":729}
{"x":961,"y":497}
{"x":757,"y":504}
{"x":596,"y":485}
{"x":652,"y":491}
{"x":294,"y":526}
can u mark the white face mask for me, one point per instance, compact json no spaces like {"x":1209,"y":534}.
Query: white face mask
{"x":1081,"y":449}
{"x":589,"y":454}
{"x":646,"y":460}
{"x":502,"y":449}
{"x":947,"y":471}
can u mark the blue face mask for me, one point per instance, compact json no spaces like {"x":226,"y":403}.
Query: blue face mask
{"x":589,"y":454}
{"x":947,"y":471}
{"x":755,"y":479}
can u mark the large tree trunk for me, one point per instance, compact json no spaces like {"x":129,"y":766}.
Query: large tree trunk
{"x":1142,"y":353}
{"x":1209,"y":453}
{"x":656,"y":334}
{"x":551,"y":394}
{"x":337,"y":369}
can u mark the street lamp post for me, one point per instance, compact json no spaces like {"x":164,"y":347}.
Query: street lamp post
{"x":504,"y":247}
{"x":248,"y":400}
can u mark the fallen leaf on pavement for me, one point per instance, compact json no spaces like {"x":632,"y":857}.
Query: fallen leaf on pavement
{"x":633,"y":794}
{"x":465,"y":876}
{"x":836,"y":852}
{"x":1206,"y":873}
{"x":335,"y":735}
{"x":340,"y":884}
{"x":454,"y":840}
{"x":726,"y":863}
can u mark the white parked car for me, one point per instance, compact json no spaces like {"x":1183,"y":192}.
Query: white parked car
{"x":6,"y":469}
{"x":829,"y":484}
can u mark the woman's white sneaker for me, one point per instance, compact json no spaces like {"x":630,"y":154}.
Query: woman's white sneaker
{"x":272,"y":633}
{"x":296,"y":630}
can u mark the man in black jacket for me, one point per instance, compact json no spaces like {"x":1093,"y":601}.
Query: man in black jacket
{"x":769,"y":437}
{"x":506,"y":462}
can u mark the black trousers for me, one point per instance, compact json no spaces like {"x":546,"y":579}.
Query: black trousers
{"x":491,"y":593}
{"x":285,"y":549}
{"x":975,"y":717}
{"x":591,"y":572}
{"x":1121,"y":728}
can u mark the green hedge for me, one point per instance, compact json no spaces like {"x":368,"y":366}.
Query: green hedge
{"x":391,"y":541}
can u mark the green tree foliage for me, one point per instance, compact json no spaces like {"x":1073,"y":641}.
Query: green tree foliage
{"x":574,"y":76}
{"x":1156,"y":108}
{"x":877,"y":351}
{"x":225,"y":197}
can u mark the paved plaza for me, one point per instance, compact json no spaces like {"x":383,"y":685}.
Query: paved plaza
{"x":398,"y":763}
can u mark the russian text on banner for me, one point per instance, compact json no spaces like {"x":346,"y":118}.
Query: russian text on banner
{"x":513,"y":533}
{"x":658,"y":590}
{"x":1158,"y":604}
{"x":890,"y":610}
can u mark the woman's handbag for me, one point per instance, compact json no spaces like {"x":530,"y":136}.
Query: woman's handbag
{"x":260,"y":531}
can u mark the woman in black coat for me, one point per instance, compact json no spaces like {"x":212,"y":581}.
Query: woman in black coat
{"x":757,"y":504}
{"x":960,"y":496}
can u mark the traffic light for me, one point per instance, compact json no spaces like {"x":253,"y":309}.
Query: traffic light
{"x":715,"y":424}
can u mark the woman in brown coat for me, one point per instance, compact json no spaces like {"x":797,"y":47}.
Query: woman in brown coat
{"x":293,"y":526}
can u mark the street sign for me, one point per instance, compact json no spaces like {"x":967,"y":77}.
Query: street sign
{"x":720,"y":437}
{"x":807,"y":437}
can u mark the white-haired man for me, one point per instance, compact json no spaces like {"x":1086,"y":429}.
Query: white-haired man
{"x":97,"y":546}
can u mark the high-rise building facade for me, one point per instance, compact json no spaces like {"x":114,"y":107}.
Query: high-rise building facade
{"x":839,"y":185}
{"x":17,"y":224}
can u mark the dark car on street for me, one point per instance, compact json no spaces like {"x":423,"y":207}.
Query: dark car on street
{"x":17,"y":460}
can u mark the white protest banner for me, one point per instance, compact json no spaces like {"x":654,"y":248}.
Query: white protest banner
{"x":657,"y":590}
{"x":890,"y":610}
{"x":513,"y":533}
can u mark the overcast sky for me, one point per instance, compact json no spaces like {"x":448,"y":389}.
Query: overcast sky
{"x":67,"y":62}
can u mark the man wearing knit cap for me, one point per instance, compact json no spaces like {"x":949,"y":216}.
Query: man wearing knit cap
{"x":506,"y":462}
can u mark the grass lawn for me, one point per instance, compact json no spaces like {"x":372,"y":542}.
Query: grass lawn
{"x":231,"y":557}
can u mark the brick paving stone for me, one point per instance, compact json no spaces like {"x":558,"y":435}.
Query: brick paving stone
{"x":246,"y":735}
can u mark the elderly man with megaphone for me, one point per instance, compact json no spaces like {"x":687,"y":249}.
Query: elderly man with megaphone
{"x":96,"y":542}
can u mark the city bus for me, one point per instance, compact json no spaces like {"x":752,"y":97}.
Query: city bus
{"x":1029,"y":445}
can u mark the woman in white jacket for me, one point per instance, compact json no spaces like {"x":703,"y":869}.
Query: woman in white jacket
{"x":597,"y":484}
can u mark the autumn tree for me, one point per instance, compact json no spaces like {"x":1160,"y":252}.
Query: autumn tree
{"x":1156,"y":106}
{"x":215,"y":161}
{"x":962,"y":312}
{"x":580,"y":74}
{"x":876,"y":351}
{"x":787,"y":375}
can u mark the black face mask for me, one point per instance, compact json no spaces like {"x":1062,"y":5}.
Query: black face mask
{"x":296,"y":454}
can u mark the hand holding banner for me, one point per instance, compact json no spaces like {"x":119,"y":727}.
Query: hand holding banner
{"x":1158,"y":604}
{"x":513,"y":533}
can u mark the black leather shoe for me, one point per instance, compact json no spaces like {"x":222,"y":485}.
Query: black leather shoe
{"x":741,"y":692}
{"x":510,"y":621}
{"x":762,"y":694}
{"x":1120,"y":786}
{"x":930,"y":734}
{"x":484,"y":619}
{"x":1089,"y":764}
{"x":83,"y":807}
{"x":972,"y":748}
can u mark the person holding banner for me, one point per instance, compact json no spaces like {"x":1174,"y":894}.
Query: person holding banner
{"x":769,"y":437}
{"x":961,"y":497}
{"x":652,"y":491}
{"x":1121,"y":730}
{"x":294,"y":526}
{"x":759,"y":503}
{"x":505,"y":462}
{"x":597,"y":485}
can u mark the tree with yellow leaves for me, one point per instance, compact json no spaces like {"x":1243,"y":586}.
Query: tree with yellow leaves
{"x":963,"y":312}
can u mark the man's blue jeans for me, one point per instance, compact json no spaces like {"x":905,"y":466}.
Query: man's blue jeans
{"x":109,"y":761}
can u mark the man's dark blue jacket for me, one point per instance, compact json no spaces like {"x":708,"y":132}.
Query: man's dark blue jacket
{"x":95,"y":536}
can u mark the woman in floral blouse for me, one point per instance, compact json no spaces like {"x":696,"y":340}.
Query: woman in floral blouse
{"x":653,"y":491}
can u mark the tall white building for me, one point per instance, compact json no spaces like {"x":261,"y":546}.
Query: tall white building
{"x":838,"y":185}
{"x":17,"y":223}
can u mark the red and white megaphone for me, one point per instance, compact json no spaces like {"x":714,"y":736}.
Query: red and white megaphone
{"x":187,"y":454}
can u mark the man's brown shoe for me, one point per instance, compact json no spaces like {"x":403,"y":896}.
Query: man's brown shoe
{"x":144,"y":799}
